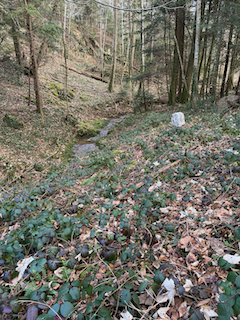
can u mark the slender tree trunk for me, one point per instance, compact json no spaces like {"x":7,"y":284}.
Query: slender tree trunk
{"x":180,"y":43}
{"x":65,"y":53}
{"x":196,"y":54}
{"x":226,"y":61}
{"x":122,"y":25}
{"x":166,"y":55}
{"x":232,"y":65}
{"x":132,"y":30}
{"x":238,"y":85}
{"x":216,"y":58}
{"x":189,"y":73}
{"x":114,"y":58}
{"x":101,"y":39}
{"x":16,"y":44}
{"x":206,"y":69}
{"x":205,"y":40}
{"x":34,"y":65}
{"x":177,"y":68}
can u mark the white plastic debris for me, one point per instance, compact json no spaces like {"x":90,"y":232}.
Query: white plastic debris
{"x":178,"y":119}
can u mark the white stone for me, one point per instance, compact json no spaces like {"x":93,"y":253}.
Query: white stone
{"x":178,"y":119}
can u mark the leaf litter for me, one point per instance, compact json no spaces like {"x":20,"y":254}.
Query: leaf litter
{"x":156,"y":208}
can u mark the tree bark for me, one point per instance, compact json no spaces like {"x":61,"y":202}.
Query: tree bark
{"x":16,"y":44}
{"x":34,"y":65}
{"x":232,"y":65}
{"x":65,"y":54}
{"x":226,"y":61}
{"x":196,"y":54}
{"x":114,"y":59}
{"x":177,"y":67}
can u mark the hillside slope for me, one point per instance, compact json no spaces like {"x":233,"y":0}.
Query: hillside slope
{"x":137,"y":229}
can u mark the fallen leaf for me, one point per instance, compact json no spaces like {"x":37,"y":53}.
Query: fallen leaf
{"x":233,"y":259}
{"x":21,"y":267}
{"x":58,"y":272}
{"x":161,"y":313}
{"x":126,"y":316}
{"x":169,"y":285}
{"x":188,"y":285}
{"x":208,"y":312}
{"x":182,"y":309}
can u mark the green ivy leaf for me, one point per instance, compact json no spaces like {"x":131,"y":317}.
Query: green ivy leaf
{"x":135,"y":298}
{"x":231,"y":276}
{"x":64,"y":289}
{"x":66,"y":308}
{"x":75,"y":293}
{"x":143,"y":286}
{"x":237,"y":281}
{"x":225,"y":310}
{"x":76,"y":283}
{"x":236,"y":306}
{"x":56,"y":308}
{"x":125,"y":296}
{"x":104,"y":313}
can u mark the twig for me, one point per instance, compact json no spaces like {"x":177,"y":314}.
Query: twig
{"x":168,"y":167}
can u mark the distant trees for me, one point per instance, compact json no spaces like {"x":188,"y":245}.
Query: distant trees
{"x":188,"y":48}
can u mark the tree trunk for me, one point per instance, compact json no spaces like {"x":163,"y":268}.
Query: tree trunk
{"x":206,"y":69}
{"x":226,"y":61}
{"x":16,"y":44}
{"x":189,"y":73}
{"x":34,"y":65}
{"x":196,"y":54}
{"x":204,"y":49}
{"x":65,"y":53}
{"x":177,"y":67}
{"x":180,"y":42}
{"x":216,"y":57}
{"x":114,"y":59}
{"x":132,"y":30}
{"x":232,"y":65}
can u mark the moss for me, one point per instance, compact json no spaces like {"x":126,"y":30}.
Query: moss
{"x":91,"y":129}
{"x":58,"y":90}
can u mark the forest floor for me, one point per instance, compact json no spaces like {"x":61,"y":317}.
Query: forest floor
{"x":146,"y":228}
{"x":24,"y":147}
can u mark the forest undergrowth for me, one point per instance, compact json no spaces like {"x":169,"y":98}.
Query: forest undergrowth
{"x":146,"y":228}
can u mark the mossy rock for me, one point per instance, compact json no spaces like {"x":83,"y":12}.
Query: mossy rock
{"x":100,"y":143}
{"x":12,"y":122}
{"x":58,"y":90}
{"x":91,"y":129}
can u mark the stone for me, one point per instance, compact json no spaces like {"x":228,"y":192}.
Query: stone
{"x":178,"y":119}
{"x":228,"y":102}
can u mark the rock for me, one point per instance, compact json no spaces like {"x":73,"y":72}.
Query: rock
{"x":178,"y":119}
{"x":228,"y":101}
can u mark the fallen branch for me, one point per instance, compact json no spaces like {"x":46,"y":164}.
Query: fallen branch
{"x":169,"y":166}
{"x":86,"y":74}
